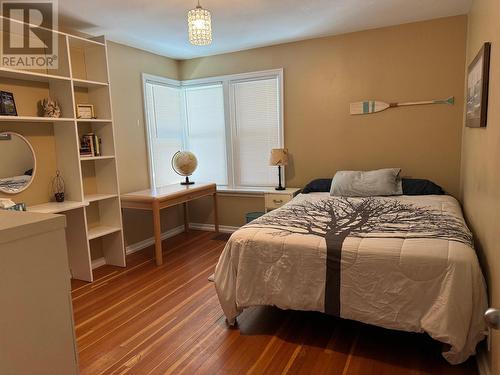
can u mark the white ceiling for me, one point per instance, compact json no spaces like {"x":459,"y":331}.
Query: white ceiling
{"x":160,"y":26}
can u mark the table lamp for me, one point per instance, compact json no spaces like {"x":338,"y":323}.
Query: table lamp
{"x":279,"y":157}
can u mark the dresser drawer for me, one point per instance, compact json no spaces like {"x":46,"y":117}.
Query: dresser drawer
{"x":276,"y":200}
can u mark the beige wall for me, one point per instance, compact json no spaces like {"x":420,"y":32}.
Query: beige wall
{"x":480,"y":181}
{"x":126,"y":65}
{"x":418,"y":61}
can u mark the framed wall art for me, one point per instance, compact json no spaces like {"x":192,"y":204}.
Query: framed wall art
{"x":477,"y":88}
{"x":7,"y":104}
{"x":85,"y":111}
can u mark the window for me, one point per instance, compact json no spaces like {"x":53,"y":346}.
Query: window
{"x":206,"y":132}
{"x":256,"y":130}
{"x":230,"y":123}
{"x":165,"y":129}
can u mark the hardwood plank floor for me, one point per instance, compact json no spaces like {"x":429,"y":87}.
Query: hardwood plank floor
{"x":145,"y":319}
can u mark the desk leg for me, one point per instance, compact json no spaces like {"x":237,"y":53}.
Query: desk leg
{"x":186,"y":217}
{"x":216,"y":214}
{"x":157,"y":231}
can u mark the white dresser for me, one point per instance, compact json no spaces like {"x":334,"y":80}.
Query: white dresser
{"x":36,"y":317}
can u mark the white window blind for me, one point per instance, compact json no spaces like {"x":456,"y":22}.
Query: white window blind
{"x":164,"y":115}
{"x":230,"y":123}
{"x":206,"y":131}
{"x":256,"y":113}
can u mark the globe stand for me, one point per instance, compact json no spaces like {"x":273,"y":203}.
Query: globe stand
{"x":187,"y":182}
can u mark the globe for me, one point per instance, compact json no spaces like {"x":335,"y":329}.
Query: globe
{"x":184,"y":163}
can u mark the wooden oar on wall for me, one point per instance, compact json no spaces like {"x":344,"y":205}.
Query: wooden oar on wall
{"x":373,"y":106}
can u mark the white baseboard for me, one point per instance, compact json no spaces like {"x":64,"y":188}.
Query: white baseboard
{"x":482,"y":361}
{"x":141,"y":245}
{"x":151,"y":240}
{"x":169,"y":233}
{"x":211,"y":227}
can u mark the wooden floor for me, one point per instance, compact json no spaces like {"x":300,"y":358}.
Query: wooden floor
{"x":167,"y":320}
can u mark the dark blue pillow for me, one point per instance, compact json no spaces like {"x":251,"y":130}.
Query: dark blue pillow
{"x":411,"y":186}
{"x":320,"y":185}
{"x":416,"y":186}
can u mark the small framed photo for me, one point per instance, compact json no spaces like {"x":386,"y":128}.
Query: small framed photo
{"x":85,"y":111}
{"x":477,"y":88}
{"x":7,"y":104}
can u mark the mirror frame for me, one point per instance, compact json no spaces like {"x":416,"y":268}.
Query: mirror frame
{"x":33,"y":175}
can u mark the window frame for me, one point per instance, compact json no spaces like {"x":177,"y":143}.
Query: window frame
{"x":229,"y":121}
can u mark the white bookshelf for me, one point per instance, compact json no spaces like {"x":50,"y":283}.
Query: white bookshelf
{"x":92,"y":204}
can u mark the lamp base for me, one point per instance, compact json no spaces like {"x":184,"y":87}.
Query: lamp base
{"x":279,"y":179}
{"x":187,"y":182}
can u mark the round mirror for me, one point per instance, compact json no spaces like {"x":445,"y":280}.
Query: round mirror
{"x":17,"y":163}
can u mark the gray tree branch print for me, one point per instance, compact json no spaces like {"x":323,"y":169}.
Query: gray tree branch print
{"x":364,"y":217}
{"x":336,"y":218}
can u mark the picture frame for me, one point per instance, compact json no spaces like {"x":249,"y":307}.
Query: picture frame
{"x":478,"y":75}
{"x":85,"y":111}
{"x":7,"y":104}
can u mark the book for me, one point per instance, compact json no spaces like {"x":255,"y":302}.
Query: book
{"x":90,"y":145}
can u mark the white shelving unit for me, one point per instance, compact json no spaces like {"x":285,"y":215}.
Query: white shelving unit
{"x":92,"y":205}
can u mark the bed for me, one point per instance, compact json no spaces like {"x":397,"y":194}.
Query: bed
{"x":404,"y":263}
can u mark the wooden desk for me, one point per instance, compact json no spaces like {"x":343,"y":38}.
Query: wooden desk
{"x":168,"y":196}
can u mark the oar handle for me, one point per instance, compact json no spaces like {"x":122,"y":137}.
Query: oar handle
{"x":450,"y":100}
{"x":415,"y":103}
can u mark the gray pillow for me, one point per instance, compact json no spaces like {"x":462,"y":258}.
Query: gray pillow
{"x":381,"y":182}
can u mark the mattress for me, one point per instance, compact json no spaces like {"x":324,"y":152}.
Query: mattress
{"x":405,"y":263}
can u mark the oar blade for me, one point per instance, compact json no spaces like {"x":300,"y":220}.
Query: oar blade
{"x":450,"y":100}
{"x":366,"y":107}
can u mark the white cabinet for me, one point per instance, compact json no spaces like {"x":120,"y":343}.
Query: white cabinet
{"x":36,"y":317}
{"x":278,"y":198}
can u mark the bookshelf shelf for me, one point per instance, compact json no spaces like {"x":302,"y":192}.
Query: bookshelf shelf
{"x":55,"y":207}
{"x":101,"y":231}
{"x":83,"y":83}
{"x":88,"y":158}
{"x":35,"y":119}
{"x":26,"y":75}
{"x":92,"y":207}
{"x":82,"y":42}
{"x":98,"y":197}
{"x":93,"y":121}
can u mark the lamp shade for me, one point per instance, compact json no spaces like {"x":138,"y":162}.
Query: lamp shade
{"x":279,"y":156}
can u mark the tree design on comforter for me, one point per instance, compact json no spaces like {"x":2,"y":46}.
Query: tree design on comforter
{"x":336,"y":218}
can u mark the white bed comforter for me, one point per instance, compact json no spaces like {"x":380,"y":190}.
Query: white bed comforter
{"x":403,"y":263}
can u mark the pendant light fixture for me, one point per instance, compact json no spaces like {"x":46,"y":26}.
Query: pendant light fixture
{"x":200,"y":26}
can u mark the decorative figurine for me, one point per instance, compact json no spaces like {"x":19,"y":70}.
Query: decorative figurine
{"x":51,"y":108}
{"x":58,"y":187}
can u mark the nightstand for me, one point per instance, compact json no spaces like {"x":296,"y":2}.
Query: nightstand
{"x":277,"y":198}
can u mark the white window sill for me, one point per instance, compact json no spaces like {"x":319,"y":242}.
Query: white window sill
{"x":261,"y":190}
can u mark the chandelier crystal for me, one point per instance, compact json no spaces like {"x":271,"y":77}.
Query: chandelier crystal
{"x":200,"y":26}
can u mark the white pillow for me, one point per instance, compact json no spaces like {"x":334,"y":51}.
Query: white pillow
{"x":382,"y":182}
